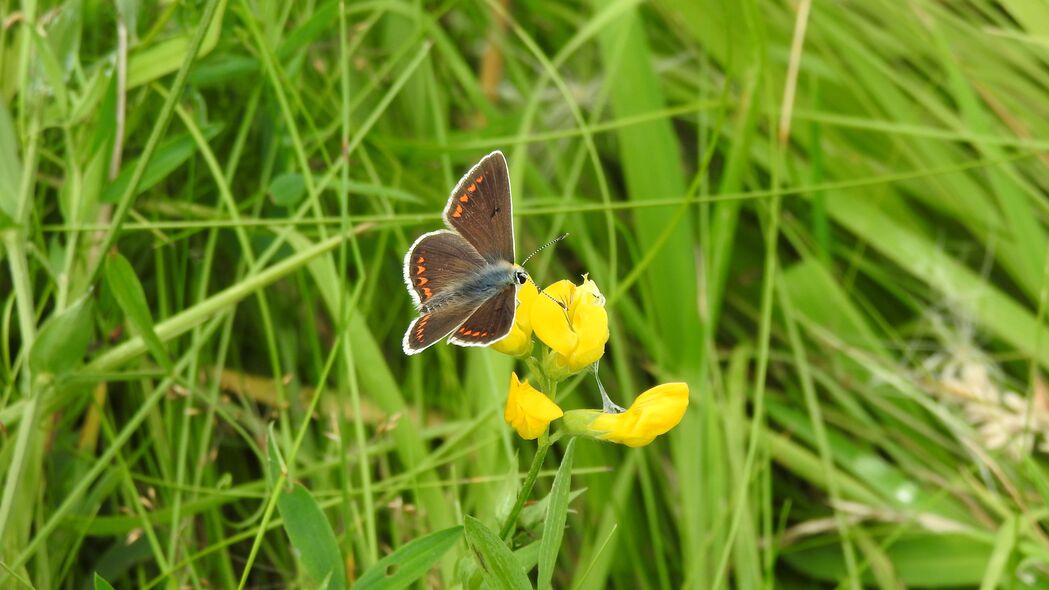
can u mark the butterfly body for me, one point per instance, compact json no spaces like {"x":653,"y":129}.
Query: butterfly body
{"x":463,"y":279}
{"x":477,"y":288}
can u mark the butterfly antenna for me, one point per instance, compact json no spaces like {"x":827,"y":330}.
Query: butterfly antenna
{"x":559,"y":303}
{"x":544,"y":246}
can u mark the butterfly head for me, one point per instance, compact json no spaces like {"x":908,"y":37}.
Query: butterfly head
{"x":520,"y":275}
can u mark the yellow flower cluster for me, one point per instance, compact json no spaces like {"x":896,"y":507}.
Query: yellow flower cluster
{"x":653,"y":413}
{"x":571,"y":321}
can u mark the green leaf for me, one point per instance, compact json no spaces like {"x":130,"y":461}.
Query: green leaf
{"x":409,"y":563}
{"x":506,"y":496}
{"x":5,"y":221}
{"x":312,"y":536}
{"x":101,"y":583}
{"x":220,"y":69}
{"x":51,"y":71}
{"x":127,"y":290}
{"x":168,"y":157}
{"x":287,"y":189}
{"x":62,"y":342}
{"x":925,"y":560}
{"x":498,"y":564}
{"x":10,"y":164}
{"x":308,"y":529}
{"x":470,"y":577}
{"x":156,"y":60}
{"x":1004,"y":545}
{"x":554,"y":525}
{"x":533,"y":515}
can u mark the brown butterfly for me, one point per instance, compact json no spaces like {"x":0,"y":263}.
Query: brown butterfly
{"x":463,"y":280}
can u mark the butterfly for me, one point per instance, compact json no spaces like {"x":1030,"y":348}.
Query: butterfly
{"x":463,"y":280}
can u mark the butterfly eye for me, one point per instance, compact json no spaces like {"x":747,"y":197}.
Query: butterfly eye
{"x":521,"y":277}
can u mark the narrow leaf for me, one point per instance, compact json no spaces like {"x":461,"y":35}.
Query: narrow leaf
{"x":408,"y":564}
{"x":128,"y":292}
{"x":101,"y":583}
{"x":168,"y":157}
{"x":312,"y":537}
{"x":1005,"y":543}
{"x":498,"y":564}
{"x":50,"y":72}
{"x":287,"y":189}
{"x":470,"y":577}
{"x":308,"y":529}
{"x":62,"y":342}
{"x":10,"y":164}
{"x":506,"y":496}
{"x":554,"y":526}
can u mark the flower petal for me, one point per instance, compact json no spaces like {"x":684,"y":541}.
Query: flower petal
{"x":528,"y":410}
{"x":653,"y":413}
{"x":550,"y":321}
{"x":590,"y":323}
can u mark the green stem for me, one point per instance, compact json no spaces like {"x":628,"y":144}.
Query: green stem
{"x":15,"y":242}
{"x":127,"y":198}
{"x":526,"y":490}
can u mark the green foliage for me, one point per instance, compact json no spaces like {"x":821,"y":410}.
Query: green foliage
{"x":100,"y":583}
{"x":60,"y":346}
{"x":171,"y":154}
{"x":308,"y":529}
{"x":288,"y":189}
{"x":127,"y":290}
{"x":556,"y":515}
{"x":497,"y":563}
{"x":407,"y":564}
{"x":830,"y":219}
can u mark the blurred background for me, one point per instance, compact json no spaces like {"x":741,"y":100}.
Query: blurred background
{"x":830,"y":219}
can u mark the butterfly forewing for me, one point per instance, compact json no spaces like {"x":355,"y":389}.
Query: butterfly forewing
{"x":436,"y":262}
{"x":491,"y":322}
{"x":480,"y":209}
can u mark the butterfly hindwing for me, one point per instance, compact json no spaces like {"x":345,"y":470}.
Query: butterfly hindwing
{"x":491,"y":322}
{"x":432,"y":326}
{"x":480,"y":209}
{"x":437,"y":261}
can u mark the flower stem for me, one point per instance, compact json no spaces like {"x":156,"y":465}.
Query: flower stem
{"x":526,"y":490}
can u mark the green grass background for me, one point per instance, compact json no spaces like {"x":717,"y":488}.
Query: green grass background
{"x":815,"y":213}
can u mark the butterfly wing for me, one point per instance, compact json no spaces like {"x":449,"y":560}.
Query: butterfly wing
{"x":437,"y":261}
{"x":491,"y":322}
{"x":430,"y":327}
{"x":480,"y":209}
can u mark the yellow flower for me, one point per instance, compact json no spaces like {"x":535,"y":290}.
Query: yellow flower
{"x":519,"y":341}
{"x":528,"y":410}
{"x":653,"y":413}
{"x":577,"y":336}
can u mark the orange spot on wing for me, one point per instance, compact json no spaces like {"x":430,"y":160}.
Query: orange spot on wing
{"x":471,"y":188}
{"x":420,"y":269}
{"x":458,"y":211}
{"x":427,"y":292}
{"x":420,"y":281}
{"x":480,"y":179}
{"x":464,"y":199}
{"x":421,"y":260}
